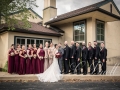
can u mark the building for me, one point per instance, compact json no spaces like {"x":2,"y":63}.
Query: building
{"x":99,"y":21}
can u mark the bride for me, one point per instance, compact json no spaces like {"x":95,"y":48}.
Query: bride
{"x":52,"y":74}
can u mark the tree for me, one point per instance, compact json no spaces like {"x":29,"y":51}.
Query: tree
{"x":8,"y":7}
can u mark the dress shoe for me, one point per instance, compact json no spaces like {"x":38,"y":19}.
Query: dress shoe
{"x":66,"y":73}
{"x":78,"y":73}
{"x":84,"y":73}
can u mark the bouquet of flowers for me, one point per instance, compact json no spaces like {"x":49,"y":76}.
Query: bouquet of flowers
{"x":41,"y":57}
{"x":25,"y":55}
{"x":58,"y":55}
{"x":18,"y":51}
{"x":12,"y":53}
{"x":34,"y":56}
{"x":30,"y":56}
{"x":46,"y":57}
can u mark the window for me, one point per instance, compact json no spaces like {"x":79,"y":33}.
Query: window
{"x":38,"y":42}
{"x":79,"y":31}
{"x":20,"y":41}
{"x":29,"y":40}
{"x":100,"y":29}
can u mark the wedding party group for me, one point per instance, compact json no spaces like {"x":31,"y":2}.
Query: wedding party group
{"x":49,"y":62}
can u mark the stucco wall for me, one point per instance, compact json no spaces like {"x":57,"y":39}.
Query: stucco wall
{"x":112,"y":38}
{"x":3,"y":48}
{"x":68,"y":35}
{"x":90,"y":30}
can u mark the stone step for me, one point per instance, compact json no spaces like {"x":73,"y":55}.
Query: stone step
{"x":67,"y":77}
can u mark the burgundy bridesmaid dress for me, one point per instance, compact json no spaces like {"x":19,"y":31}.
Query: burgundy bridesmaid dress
{"x":11,"y":62}
{"x":28,"y":63}
{"x":17,"y":61}
{"x":33,"y":68}
{"x":37,"y":65}
{"x":41,"y":62}
{"x":22,"y":63}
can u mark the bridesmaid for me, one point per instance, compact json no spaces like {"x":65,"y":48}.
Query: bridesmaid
{"x":50,"y":53}
{"x":33,"y":64}
{"x":46,"y":56}
{"x":23,"y":56}
{"x":17,"y":61}
{"x":11,"y":56}
{"x":41,"y":55}
{"x":28,"y":59}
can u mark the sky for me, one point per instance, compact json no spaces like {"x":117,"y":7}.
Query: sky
{"x":64,"y":6}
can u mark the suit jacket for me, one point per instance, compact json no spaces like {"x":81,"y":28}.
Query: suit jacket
{"x":96,"y":51}
{"x":84,"y":52}
{"x":103,"y":54}
{"x":61,"y":51}
{"x":72,"y":51}
{"x":78,"y":53}
{"x":66,"y":52}
{"x":90,"y":52}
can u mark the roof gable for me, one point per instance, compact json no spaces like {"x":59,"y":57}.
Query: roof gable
{"x":108,"y":8}
{"x":35,"y":13}
{"x":83,"y":10}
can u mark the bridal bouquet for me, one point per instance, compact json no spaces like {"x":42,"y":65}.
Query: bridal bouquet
{"x":25,"y":55}
{"x":12,"y":54}
{"x":58,"y":55}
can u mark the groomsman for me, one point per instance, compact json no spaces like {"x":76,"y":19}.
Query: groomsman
{"x":96,"y":57}
{"x":60,"y":60}
{"x":72,"y":56}
{"x":103,"y":58}
{"x":66,"y":58}
{"x":84,"y":58}
{"x":78,"y":57}
{"x":90,"y":57}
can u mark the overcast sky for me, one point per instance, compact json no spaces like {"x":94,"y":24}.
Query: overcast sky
{"x":64,"y":6}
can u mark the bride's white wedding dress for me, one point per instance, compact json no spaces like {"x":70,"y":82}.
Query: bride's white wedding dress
{"x":52,"y":74}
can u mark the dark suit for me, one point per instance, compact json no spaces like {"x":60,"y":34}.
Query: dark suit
{"x":103,"y":56}
{"x":90,"y":58}
{"x":60,"y":60}
{"x":66,"y":62}
{"x":96,"y":54}
{"x":72,"y":60}
{"x":84,"y":59}
{"x":78,"y":56}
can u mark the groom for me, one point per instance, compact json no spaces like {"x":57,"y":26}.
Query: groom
{"x":60,"y":60}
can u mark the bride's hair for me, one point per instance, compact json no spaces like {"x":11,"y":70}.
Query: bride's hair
{"x":55,"y":45}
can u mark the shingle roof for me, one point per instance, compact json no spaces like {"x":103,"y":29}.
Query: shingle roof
{"x":35,"y":29}
{"x":80,"y":11}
